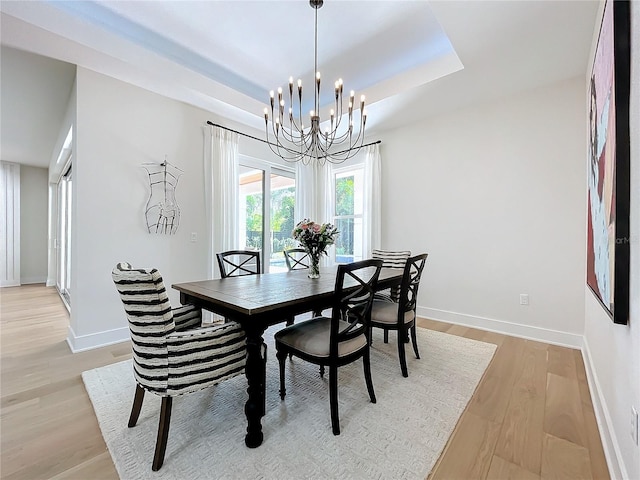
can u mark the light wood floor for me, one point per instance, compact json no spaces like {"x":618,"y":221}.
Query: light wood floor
{"x":531,"y":416}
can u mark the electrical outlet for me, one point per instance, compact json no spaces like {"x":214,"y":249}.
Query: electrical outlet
{"x":194,"y":237}
{"x":524,"y":299}
{"x":634,"y":425}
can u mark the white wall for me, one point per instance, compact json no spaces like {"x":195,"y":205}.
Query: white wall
{"x":119,"y":127}
{"x":613,"y":351}
{"x":495,"y":195}
{"x":33,"y":224}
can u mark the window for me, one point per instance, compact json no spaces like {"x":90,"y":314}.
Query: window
{"x":63,"y":221}
{"x":63,"y":243}
{"x":266,"y":227}
{"x":348,"y":208}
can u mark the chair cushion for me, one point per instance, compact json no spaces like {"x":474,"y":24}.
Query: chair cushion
{"x":387,"y":312}
{"x":391,"y":259}
{"x":312,"y":337}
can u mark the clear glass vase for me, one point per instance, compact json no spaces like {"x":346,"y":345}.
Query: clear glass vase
{"x":314,"y":266}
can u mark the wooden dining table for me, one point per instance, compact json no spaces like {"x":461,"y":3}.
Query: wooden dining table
{"x":258,"y":301}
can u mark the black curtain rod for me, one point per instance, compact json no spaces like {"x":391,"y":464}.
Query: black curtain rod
{"x":269,"y":143}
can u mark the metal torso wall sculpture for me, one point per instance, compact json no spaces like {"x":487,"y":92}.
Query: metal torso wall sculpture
{"x":162,"y":212}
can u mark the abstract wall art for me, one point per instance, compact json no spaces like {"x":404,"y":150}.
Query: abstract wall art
{"x":608,"y":176}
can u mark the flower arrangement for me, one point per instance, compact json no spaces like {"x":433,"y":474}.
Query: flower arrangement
{"x":314,"y":238}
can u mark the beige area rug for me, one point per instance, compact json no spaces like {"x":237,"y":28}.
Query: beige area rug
{"x":399,"y":437}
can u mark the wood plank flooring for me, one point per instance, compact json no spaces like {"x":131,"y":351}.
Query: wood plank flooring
{"x":531,"y":416}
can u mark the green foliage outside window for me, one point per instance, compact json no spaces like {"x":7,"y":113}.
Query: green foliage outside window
{"x":282,"y":209}
{"x":344,"y":206}
{"x":344,"y":196}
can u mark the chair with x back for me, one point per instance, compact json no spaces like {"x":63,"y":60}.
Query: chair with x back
{"x":340,"y":339}
{"x":296,"y":258}
{"x":238,"y":263}
{"x":172,"y":353}
{"x":401,"y":315}
{"x":235,"y":263}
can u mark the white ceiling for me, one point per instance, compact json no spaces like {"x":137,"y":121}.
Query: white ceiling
{"x":411,"y":58}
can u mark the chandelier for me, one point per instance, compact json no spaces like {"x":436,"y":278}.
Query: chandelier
{"x":292,"y":141}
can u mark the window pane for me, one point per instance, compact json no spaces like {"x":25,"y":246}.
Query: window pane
{"x":349,"y":195}
{"x":344,"y":194}
{"x":251,"y":208}
{"x":349,"y":241}
{"x":283,"y":200}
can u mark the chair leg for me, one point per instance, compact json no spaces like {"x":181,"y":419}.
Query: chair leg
{"x":414,"y":341}
{"x":163,"y":433}
{"x":366,"y":360}
{"x":290,"y":321}
{"x":137,"y":406}
{"x":281,"y":356}
{"x":333,"y":399}
{"x":386,"y":336}
{"x":321,"y":371}
{"x":402,"y":333}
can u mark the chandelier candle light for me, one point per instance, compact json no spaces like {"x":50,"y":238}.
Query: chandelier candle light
{"x":293,"y":142}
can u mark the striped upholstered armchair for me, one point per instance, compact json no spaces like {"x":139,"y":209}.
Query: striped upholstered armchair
{"x":172,"y":353}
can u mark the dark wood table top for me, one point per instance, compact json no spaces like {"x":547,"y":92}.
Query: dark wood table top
{"x":283,"y":293}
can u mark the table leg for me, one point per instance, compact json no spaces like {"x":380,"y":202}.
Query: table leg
{"x":254,"y":370}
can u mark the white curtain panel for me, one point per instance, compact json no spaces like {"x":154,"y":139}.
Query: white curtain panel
{"x":372,"y":208}
{"x":313,"y":194}
{"x":221,"y":192}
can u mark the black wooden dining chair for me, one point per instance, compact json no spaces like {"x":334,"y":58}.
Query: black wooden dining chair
{"x":340,"y":339}
{"x":236,"y":263}
{"x":401,"y":315}
{"x":296,"y":258}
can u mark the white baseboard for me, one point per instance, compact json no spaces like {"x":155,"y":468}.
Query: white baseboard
{"x":9,"y":283}
{"x":612,"y":453}
{"x":32,"y":280}
{"x":96,"y":340}
{"x":528,"y":332}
